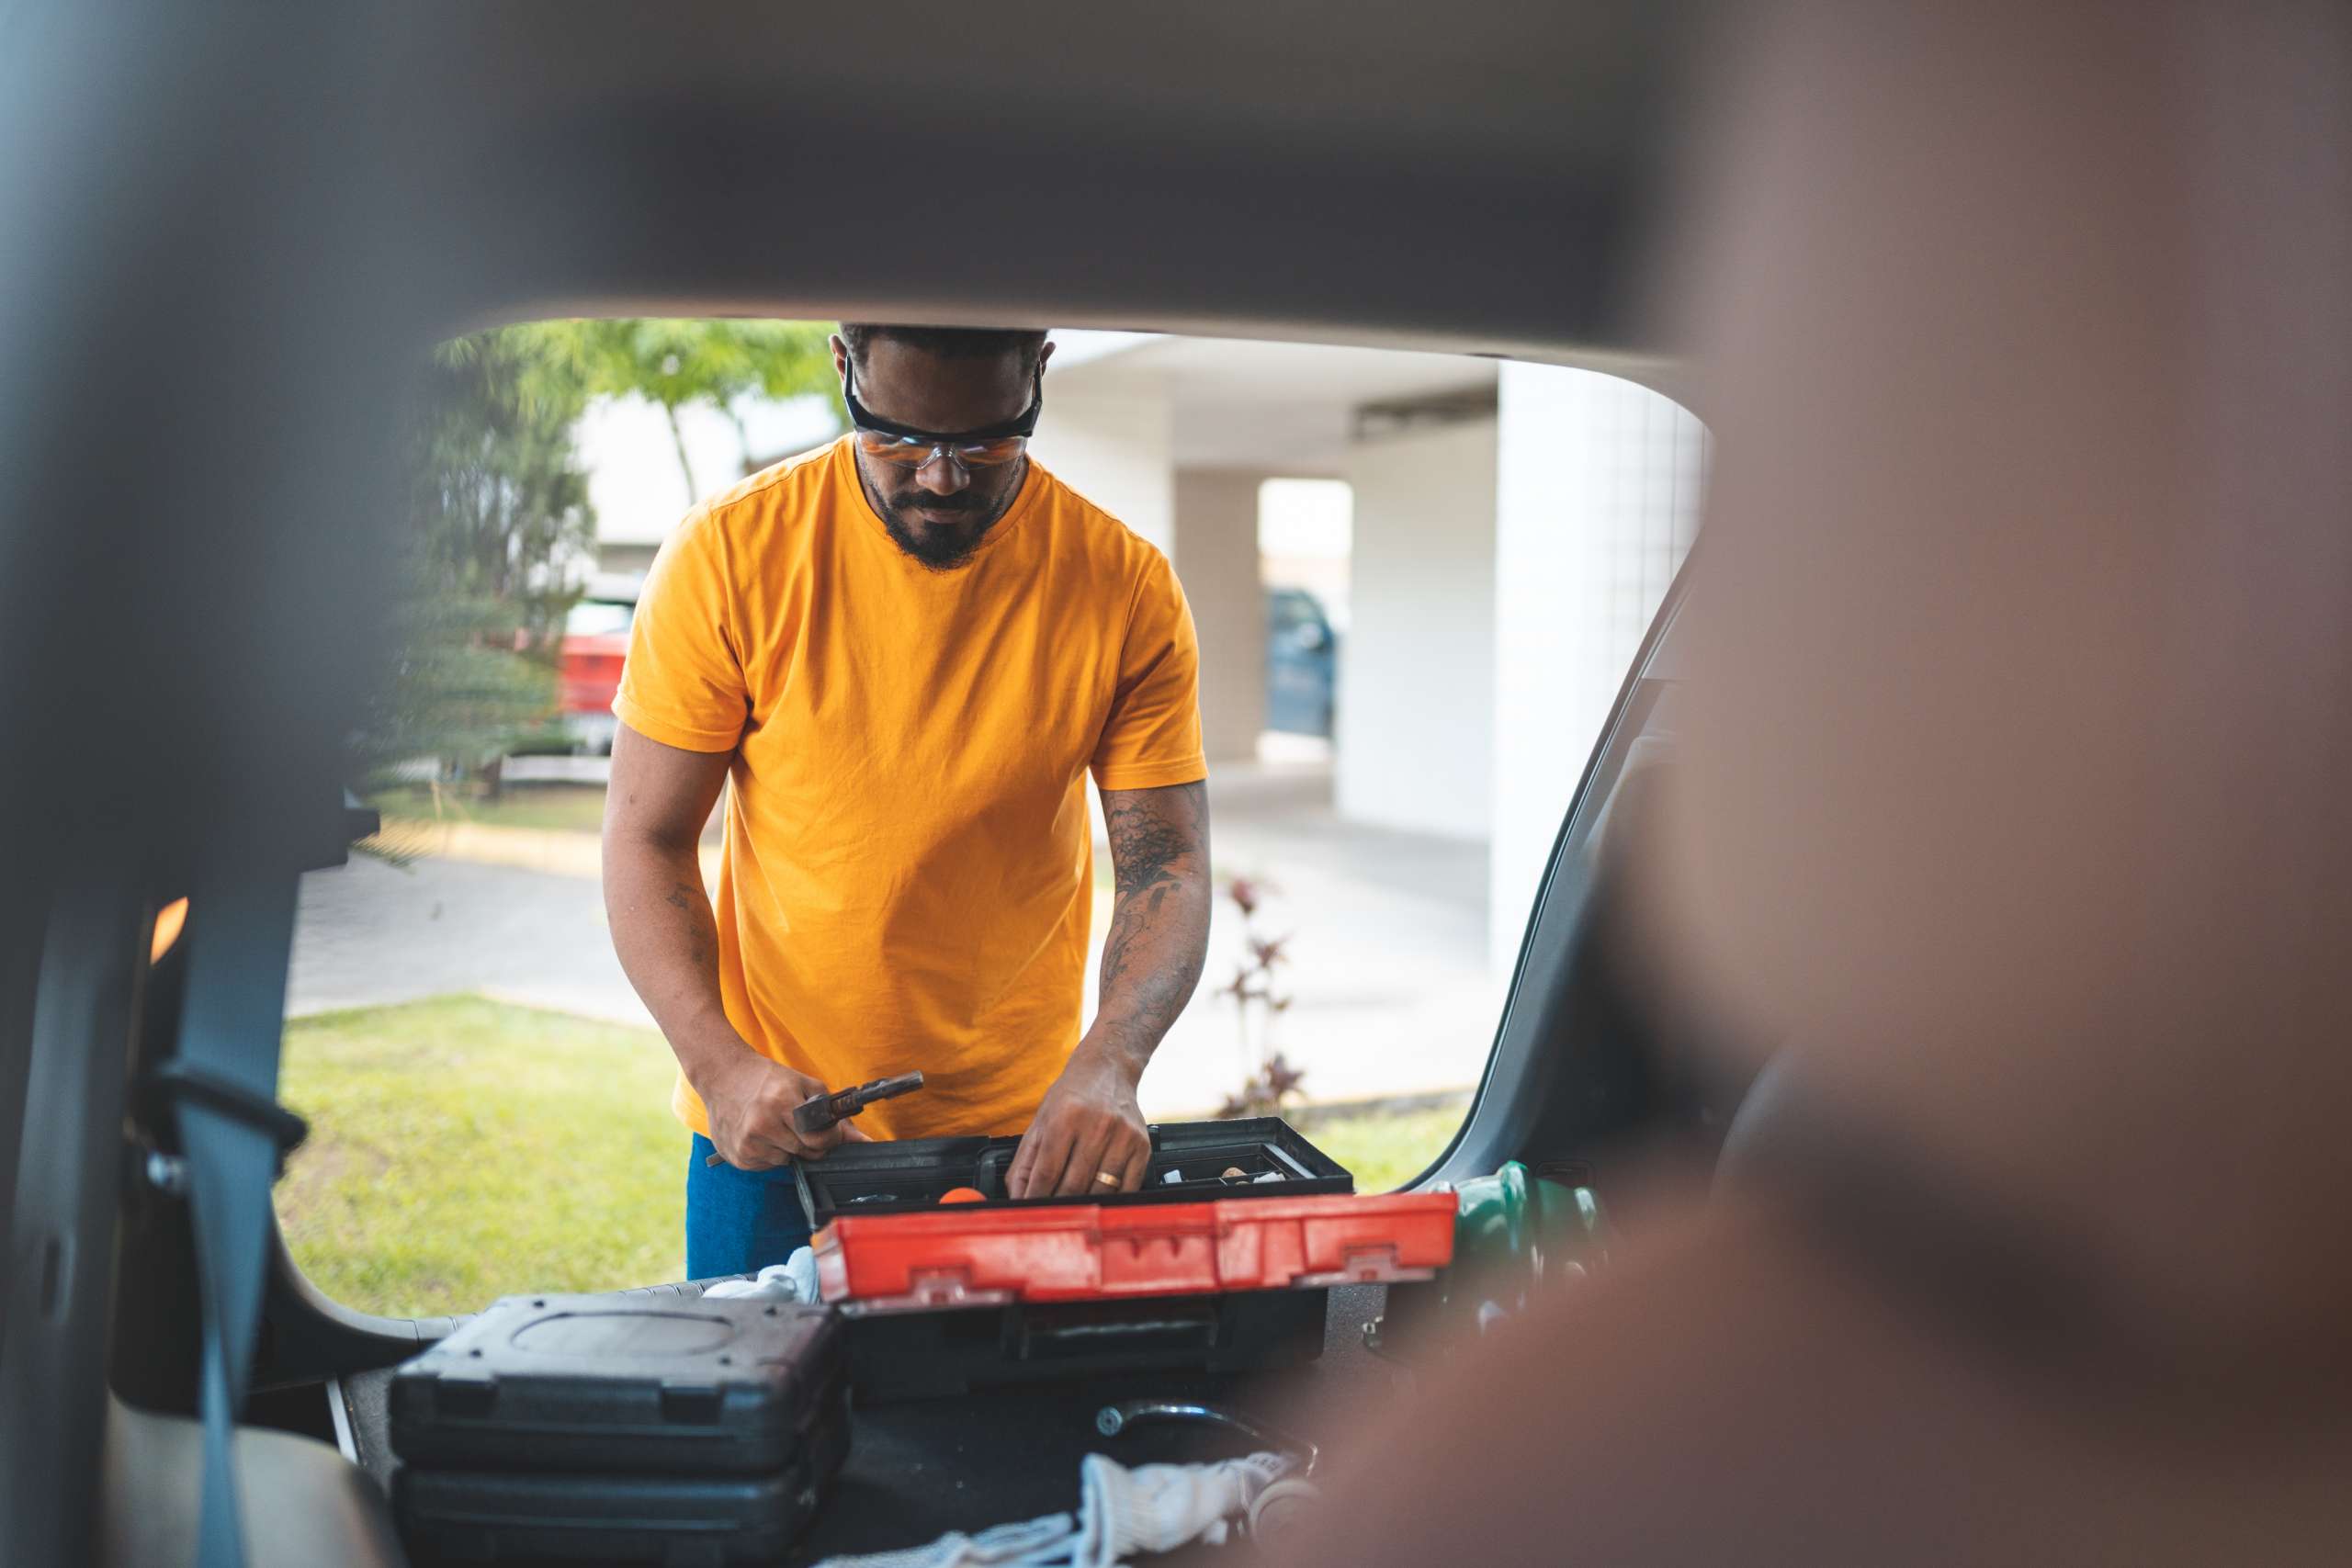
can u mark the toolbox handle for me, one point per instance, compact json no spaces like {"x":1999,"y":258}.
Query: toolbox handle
{"x":1033,"y":1335}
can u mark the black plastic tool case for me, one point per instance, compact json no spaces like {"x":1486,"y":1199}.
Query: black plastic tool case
{"x":897,"y":1177}
{"x":678,"y":1521}
{"x":918,"y":1355}
{"x":622,"y":1385}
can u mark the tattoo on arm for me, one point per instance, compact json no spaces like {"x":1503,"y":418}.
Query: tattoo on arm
{"x":1152,"y":956}
{"x":1150,"y":832}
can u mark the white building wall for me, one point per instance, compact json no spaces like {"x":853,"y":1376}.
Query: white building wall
{"x":1306,"y":538}
{"x":1417,"y":665}
{"x":1117,"y":450}
{"x":1599,"y":483}
{"x":1217,"y":560}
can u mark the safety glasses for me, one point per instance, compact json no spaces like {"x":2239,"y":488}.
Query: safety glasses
{"x":988,"y":447}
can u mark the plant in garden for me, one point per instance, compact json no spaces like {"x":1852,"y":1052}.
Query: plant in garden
{"x":1258,"y":998}
{"x":1265,"y":1092}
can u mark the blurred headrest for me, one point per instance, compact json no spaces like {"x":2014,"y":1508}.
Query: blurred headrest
{"x":2016,"y":777}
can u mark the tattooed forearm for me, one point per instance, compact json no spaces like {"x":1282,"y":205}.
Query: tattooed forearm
{"x":1146,"y":994}
{"x":1153,"y":831}
{"x":1159,"y":936}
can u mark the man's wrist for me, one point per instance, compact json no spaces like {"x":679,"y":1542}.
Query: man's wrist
{"x":1111,"y":1046}
{"x":710,"y":1051}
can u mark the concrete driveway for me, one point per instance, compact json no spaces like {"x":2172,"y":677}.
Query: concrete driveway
{"x":368,"y":934}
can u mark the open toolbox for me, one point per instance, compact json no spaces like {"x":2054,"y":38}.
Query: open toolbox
{"x":972,"y":1296}
{"x":970,"y":1254}
{"x":1222,"y":1263}
{"x":911,"y":1176}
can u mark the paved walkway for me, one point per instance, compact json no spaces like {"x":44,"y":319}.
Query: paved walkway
{"x":369,"y":935}
{"x":1394,"y":993}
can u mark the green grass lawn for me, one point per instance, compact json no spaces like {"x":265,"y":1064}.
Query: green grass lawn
{"x":1386,"y":1149}
{"x":462,"y":1149}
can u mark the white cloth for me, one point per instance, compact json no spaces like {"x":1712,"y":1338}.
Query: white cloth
{"x":794,"y":1280}
{"x":1160,"y":1507}
{"x":1033,"y":1543}
{"x":1121,"y":1512}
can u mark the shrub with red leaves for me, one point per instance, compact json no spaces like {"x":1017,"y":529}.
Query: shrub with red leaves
{"x":1273,"y":1080}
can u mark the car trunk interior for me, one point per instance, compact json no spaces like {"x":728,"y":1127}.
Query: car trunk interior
{"x":369,"y":185}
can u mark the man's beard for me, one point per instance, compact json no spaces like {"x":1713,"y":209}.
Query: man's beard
{"x":941,"y":549}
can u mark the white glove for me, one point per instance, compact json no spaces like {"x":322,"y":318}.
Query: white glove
{"x":1158,"y":1507}
{"x":794,"y":1280}
{"x":1032,"y":1543}
{"x":1121,"y":1512}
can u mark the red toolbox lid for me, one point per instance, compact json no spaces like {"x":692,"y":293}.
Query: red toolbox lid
{"x":972,"y":1256}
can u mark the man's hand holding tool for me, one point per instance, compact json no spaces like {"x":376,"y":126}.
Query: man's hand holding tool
{"x":780,"y":1115}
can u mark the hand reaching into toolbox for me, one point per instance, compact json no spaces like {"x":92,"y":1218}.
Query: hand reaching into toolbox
{"x":1089,"y":1136}
{"x":751,"y":1102}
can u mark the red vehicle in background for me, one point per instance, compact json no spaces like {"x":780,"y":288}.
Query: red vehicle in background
{"x":595,"y":641}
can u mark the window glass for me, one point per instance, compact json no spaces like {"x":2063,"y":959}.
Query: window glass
{"x":598,"y":617}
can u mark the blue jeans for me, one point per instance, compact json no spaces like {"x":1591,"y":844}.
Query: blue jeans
{"x":739,"y":1221}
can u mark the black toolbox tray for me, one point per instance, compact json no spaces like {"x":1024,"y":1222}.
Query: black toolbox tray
{"x":910,"y":1175}
{"x":620,"y":1383}
{"x":678,"y":1521}
{"x":904,"y":1354}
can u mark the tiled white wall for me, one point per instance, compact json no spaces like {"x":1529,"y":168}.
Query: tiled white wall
{"x":1598,"y":492}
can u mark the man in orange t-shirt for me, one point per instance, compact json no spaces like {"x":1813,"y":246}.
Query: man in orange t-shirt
{"x":907,"y":651}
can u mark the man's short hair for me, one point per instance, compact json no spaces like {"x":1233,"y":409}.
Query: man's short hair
{"x":950,"y":343}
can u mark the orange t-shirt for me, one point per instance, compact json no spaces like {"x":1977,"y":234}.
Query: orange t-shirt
{"x":909,"y":872}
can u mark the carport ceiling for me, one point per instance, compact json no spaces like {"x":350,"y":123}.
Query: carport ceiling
{"x":1280,"y":407}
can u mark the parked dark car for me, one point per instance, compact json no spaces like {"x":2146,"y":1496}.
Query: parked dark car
{"x":1302,"y":662}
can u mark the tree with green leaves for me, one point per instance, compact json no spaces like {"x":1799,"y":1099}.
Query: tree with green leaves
{"x":680,"y":364}
{"x":498,"y":495}
{"x":499,"y":515}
